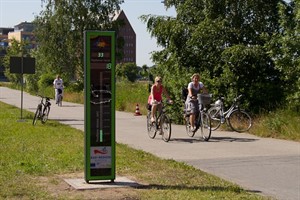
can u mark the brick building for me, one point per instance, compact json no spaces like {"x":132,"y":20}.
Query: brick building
{"x":127,"y":32}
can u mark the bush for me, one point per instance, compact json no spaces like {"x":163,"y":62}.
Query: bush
{"x":32,"y":83}
{"x":46,"y":80}
{"x":76,"y":86}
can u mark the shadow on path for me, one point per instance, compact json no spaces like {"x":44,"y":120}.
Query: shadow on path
{"x":200,"y":188}
{"x":231,"y":139}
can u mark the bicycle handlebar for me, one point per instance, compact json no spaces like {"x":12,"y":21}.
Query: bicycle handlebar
{"x":162,"y":102}
{"x":235,"y":99}
{"x":238,"y":98}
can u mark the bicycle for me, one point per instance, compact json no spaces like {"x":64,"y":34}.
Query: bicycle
{"x":202,"y":121}
{"x":42,"y":111}
{"x":162,"y":123}
{"x":238,"y":119}
{"x":59,"y":97}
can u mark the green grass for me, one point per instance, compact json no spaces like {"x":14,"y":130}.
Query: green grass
{"x":31,"y":153}
{"x":281,"y":124}
{"x":128,"y":95}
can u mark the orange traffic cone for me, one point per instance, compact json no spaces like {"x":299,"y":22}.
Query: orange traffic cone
{"x":137,"y":110}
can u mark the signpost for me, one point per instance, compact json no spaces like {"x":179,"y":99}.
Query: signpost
{"x":22,"y":65}
{"x":99,"y":60}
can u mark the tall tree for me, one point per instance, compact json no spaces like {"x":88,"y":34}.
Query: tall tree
{"x":285,"y":49}
{"x":60,"y":29}
{"x":223,"y":40}
{"x":15,"y":49}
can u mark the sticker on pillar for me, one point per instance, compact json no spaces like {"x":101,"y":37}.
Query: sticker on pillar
{"x":100,"y":157}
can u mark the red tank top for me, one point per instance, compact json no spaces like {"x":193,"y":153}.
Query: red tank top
{"x":157,"y":94}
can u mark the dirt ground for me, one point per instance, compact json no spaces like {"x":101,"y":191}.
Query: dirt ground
{"x":59,"y":188}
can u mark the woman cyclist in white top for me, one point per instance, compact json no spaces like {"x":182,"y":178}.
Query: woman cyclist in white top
{"x":191,"y":103}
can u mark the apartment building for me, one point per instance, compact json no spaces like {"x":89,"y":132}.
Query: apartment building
{"x":23,"y":32}
{"x":127,"y":32}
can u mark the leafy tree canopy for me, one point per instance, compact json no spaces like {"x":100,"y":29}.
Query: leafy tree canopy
{"x":60,"y":32}
{"x":127,"y":71}
{"x":228,"y":42}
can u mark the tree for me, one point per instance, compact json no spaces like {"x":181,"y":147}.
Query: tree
{"x":18,"y":49}
{"x":127,"y":71}
{"x":145,"y":71}
{"x":224,"y":41}
{"x":60,"y":32}
{"x":285,"y":50}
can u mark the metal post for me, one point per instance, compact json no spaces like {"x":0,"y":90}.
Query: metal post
{"x":22,"y":85}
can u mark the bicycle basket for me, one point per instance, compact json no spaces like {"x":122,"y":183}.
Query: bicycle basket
{"x":204,"y":99}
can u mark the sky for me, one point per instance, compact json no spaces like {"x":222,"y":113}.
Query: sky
{"x":13,"y":12}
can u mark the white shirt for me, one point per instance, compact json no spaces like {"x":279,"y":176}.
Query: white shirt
{"x":58,"y":83}
{"x":195,"y":89}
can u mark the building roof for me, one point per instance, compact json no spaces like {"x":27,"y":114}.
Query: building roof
{"x":120,"y":15}
{"x":24,"y":26}
{"x":5,"y":31}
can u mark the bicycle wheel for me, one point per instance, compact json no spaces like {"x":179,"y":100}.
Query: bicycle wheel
{"x":215,"y":118}
{"x":45,"y":114}
{"x":59,"y":100}
{"x":166,"y":128}
{"x":188,"y":127}
{"x":239,"y":120}
{"x":151,"y":127}
{"x":205,"y":129}
{"x":36,"y":115}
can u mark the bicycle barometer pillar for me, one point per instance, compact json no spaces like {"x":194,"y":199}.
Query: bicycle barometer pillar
{"x":99,"y":61}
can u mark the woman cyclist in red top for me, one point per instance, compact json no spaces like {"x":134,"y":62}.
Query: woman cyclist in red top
{"x":155,"y":96}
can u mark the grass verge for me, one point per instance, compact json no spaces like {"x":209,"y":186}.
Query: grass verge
{"x":281,"y":124}
{"x":34,"y":159}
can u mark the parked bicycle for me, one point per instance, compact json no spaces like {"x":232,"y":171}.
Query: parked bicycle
{"x":238,"y":119}
{"x":162,"y":123}
{"x":42,"y":111}
{"x":202,"y":121}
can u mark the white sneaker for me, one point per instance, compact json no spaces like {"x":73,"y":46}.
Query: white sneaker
{"x":152,"y":120}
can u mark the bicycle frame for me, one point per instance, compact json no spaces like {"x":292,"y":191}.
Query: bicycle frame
{"x":202,"y":109}
{"x":45,"y":103}
{"x":238,"y":119}
{"x":198,"y":117}
{"x":162,"y":123}
{"x":159,"y":114}
{"x":42,"y":110}
{"x":202,"y":119}
{"x":234,"y":105}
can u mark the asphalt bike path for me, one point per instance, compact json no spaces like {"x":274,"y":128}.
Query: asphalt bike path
{"x":265,"y":166}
